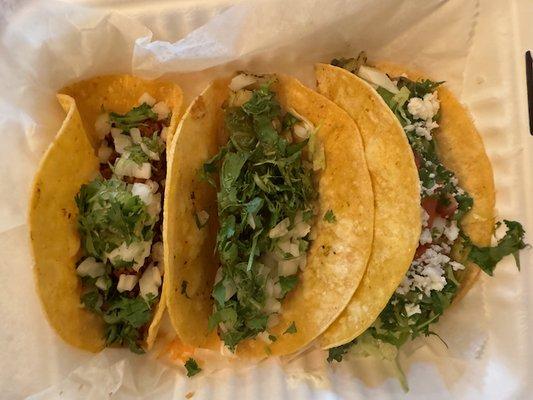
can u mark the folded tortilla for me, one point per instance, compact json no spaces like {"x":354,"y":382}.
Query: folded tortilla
{"x":69,"y":162}
{"x":330,"y":277}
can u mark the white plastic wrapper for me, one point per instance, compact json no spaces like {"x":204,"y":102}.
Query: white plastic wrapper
{"x":46,"y":45}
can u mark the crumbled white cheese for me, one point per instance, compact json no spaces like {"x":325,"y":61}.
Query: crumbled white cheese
{"x":424,"y":108}
{"x":425,"y":236}
{"x":411,"y":309}
{"x":452,"y":231}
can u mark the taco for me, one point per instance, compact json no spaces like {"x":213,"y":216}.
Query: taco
{"x":270,"y":207}
{"x":95,"y":220}
{"x":457,"y":207}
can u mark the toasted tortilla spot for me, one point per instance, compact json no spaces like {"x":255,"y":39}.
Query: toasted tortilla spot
{"x":396,"y":186}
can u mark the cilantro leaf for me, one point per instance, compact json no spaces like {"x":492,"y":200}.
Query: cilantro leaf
{"x":262,"y":180}
{"x":287,"y":283}
{"x":109,"y":215}
{"x":487,"y":257}
{"x":133,"y":118}
{"x":337,"y":353}
{"x":192,"y":367}
{"x":291,"y":329}
{"x":329,"y":216}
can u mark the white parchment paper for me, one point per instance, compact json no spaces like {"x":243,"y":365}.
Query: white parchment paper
{"x":46,"y":45}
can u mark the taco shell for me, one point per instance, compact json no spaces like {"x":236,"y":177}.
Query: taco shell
{"x":69,"y":162}
{"x":337,"y":258}
{"x":396,"y":186}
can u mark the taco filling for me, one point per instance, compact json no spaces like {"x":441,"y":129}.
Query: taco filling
{"x":119,"y":222}
{"x":265,"y":208}
{"x":444,"y":250}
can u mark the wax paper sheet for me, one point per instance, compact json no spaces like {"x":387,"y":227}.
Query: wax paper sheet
{"x":45,"y":45}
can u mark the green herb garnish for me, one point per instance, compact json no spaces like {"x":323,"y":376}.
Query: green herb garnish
{"x":192,"y":367}
{"x":330,"y":217}
{"x":291,"y":329}
{"x":133,"y":118}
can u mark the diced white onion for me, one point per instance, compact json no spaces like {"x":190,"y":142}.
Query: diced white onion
{"x":151,"y":154}
{"x":127,"y":167}
{"x":120,"y":140}
{"x":161,"y":109}
{"x":269,"y":288}
{"x":154,"y":208}
{"x":135,"y":134}
{"x":302,"y":262}
{"x":241,"y":97}
{"x":218,"y":275}
{"x":251,"y":221}
{"x":164,"y":133}
{"x":126,"y":282}
{"x":231,"y":289}
{"x":272,"y":305}
{"x":102,"y":125}
{"x":377,"y":78}
{"x":276,"y":292}
{"x":143,"y":191}
{"x":280,"y":229}
{"x":300,"y":230}
{"x":301,"y":131}
{"x":146,"y":99}
{"x":153,"y":185}
{"x":241,"y":81}
{"x":136,"y":251}
{"x":104,"y":152}
{"x":150,"y":282}
{"x":288,"y":267}
{"x":157,"y":252}
{"x":263,"y":336}
{"x":90,"y":267}
{"x":102,"y":283}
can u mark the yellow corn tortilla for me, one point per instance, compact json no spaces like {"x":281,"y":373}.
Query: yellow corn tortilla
{"x":396,"y":186}
{"x":70,"y":162}
{"x":337,"y":258}
{"x":461,"y":150}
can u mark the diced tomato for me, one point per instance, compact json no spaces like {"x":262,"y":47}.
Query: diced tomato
{"x":418,"y":160}
{"x":430,"y":205}
{"x":447,"y":210}
{"x":420,"y":250}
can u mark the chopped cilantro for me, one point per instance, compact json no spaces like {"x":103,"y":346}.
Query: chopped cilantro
{"x":287,"y":283}
{"x":272,"y":338}
{"x":262,"y":181}
{"x":330,"y":217}
{"x":109,"y":215}
{"x":133,"y":118}
{"x":124,"y":317}
{"x":337,"y":353}
{"x":487,"y":257}
{"x":192,"y":367}
{"x":291,"y":329}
